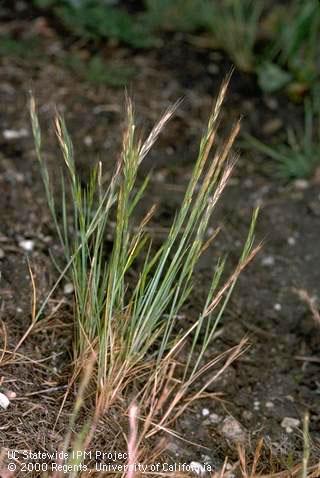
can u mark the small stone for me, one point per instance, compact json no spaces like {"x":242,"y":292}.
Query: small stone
{"x":248,"y":183}
{"x":256,"y":405}
{"x":88,"y":141}
{"x":268,"y":261}
{"x":291,"y":241}
{"x":4,"y":401}
{"x":290,"y":423}
{"x":214,"y":418}
{"x":213,"y":68}
{"x":277,"y":307}
{"x":15,"y":133}
{"x":269,"y":405}
{"x":301,"y":184}
{"x":10,"y":394}
{"x":197,"y":468}
{"x":1,"y":253}
{"x":160,"y":177}
{"x":247,"y":415}
{"x":233,"y":430}
{"x":272,"y":103}
{"x":27,"y":244}
{"x":68,"y":288}
{"x":210,"y":231}
{"x":19,"y":177}
{"x":205,"y":412}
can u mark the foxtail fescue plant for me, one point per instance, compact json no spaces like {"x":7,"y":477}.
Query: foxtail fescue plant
{"x":134,"y":331}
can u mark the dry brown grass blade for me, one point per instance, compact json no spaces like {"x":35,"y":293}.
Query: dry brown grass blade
{"x":232,"y":356}
{"x":243,"y":460}
{"x":181,"y":393}
{"x":231,"y":279}
{"x":132,"y":440}
{"x":156,"y":130}
{"x":218,"y":298}
{"x":213,"y":125}
{"x":34,"y":293}
{"x":311,"y":303}
{"x":3,"y":350}
{"x":86,"y":378}
{"x":256,"y":457}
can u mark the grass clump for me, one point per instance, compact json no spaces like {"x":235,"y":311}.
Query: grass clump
{"x":234,"y":26}
{"x":94,"y":20}
{"x":132,"y":327}
{"x":292,"y":54}
{"x":299,"y":156}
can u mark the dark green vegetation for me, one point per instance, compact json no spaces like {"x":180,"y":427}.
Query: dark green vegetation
{"x":125,"y":331}
{"x":299,"y":155}
{"x":278,"y":45}
{"x":281,"y":44}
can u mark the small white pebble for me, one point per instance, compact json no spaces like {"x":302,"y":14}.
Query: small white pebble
{"x":19,"y":177}
{"x":4,"y":401}
{"x":269,"y":404}
{"x":205,"y":412}
{"x":256,"y":405}
{"x":247,"y":415}
{"x":290,"y":423}
{"x":68,"y":288}
{"x":10,"y":394}
{"x":27,"y":245}
{"x":160,"y":177}
{"x":15,"y":133}
{"x":268,"y":261}
{"x":301,"y":184}
{"x":19,"y":310}
{"x":291,"y":241}
{"x":277,"y":307}
{"x":214,"y":418}
{"x":248,"y":183}
{"x":88,"y":141}
{"x":197,"y":468}
{"x":232,"y":430}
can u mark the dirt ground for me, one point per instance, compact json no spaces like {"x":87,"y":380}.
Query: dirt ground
{"x":278,"y":377}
